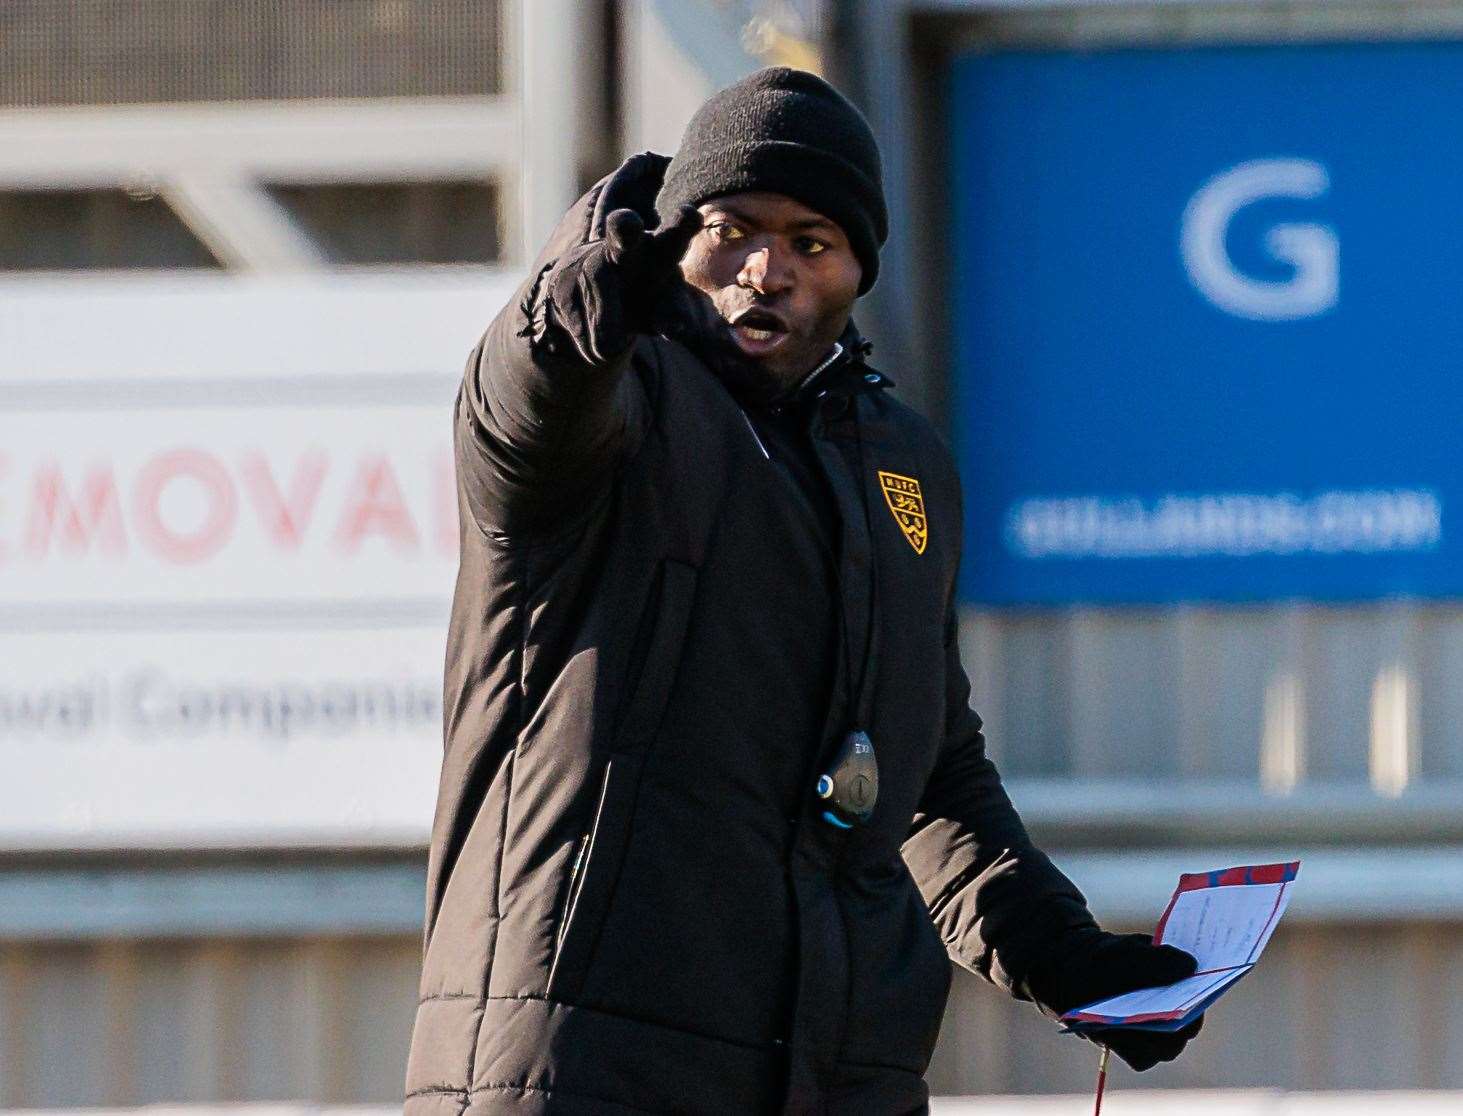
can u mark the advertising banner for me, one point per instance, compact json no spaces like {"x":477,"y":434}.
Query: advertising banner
{"x":228,"y":539}
{"x":1205,"y":321}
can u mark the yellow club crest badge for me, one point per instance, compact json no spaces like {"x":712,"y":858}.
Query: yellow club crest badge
{"x":907,"y":504}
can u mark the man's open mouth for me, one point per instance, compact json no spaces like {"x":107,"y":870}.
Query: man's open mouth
{"x":758,"y":331}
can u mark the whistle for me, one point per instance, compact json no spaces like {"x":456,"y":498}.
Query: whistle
{"x":850,"y":788}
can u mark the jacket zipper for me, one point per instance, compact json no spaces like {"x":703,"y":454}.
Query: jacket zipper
{"x":573,"y":891}
{"x":576,"y":870}
{"x":760,"y":445}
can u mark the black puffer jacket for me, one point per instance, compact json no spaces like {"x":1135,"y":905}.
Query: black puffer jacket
{"x":635,"y":903}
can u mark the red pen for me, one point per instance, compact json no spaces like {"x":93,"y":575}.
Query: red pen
{"x":1101,"y":1079}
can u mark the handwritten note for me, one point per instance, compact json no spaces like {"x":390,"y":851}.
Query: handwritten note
{"x":1224,"y":918}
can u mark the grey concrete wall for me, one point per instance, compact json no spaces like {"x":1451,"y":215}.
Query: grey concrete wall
{"x":1199,"y":693}
{"x":1329,"y":1007}
{"x":327,"y":1021}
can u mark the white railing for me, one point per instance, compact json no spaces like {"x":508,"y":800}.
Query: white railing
{"x":211,"y":162}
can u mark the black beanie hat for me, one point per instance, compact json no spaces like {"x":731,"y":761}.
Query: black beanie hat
{"x":788,"y":132}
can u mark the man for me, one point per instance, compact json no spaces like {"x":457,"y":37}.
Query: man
{"x":714,"y":811}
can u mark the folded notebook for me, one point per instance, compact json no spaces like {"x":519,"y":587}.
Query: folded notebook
{"x":1224,"y":918}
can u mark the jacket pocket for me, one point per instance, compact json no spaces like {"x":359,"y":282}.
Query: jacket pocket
{"x":602,"y":849}
{"x":901,"y":973}
{"x":598,"y":867}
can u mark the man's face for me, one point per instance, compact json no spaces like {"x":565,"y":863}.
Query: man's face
{"x":781,"y":276}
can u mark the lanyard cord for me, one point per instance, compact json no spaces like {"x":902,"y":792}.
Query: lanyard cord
{"x":860,"y":692}
{"x":863,"y":695}
{"x":845,"y":634}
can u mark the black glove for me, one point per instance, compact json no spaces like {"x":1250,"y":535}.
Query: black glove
{"x":1089,"y":964}
{"x":603,"y":293}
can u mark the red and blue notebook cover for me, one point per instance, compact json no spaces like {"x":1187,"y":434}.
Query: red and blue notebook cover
{"x":1224,"y":918}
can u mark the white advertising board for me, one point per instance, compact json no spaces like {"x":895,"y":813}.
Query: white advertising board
{"x":228,"y":540}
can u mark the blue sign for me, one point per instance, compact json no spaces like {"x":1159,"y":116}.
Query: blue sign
{"x":1208,"y":322}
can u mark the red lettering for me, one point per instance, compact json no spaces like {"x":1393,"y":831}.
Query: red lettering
{"x":97,"y":515}
{"x":375,"y":506}
{"x":285,"y":518}
{"x":221,"y":501}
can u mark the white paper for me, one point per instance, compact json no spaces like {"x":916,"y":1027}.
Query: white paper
{"x":1225,"y":926}
{"x":1170,"y":998}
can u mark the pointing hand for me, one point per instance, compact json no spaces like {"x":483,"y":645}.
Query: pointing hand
{"x":605,"y":292}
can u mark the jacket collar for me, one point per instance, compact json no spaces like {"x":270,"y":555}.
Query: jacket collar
{"x":843,"y":370}
{"x":822,"y":374}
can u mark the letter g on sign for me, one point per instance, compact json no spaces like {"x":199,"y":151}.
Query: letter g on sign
{"x":1311,"y":250}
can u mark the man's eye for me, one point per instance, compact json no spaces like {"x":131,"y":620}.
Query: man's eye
{"x":724,"y":231}
{"x":810,"y":247}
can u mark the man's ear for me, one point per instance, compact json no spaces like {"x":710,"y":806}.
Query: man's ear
{"x":634,"y":185}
